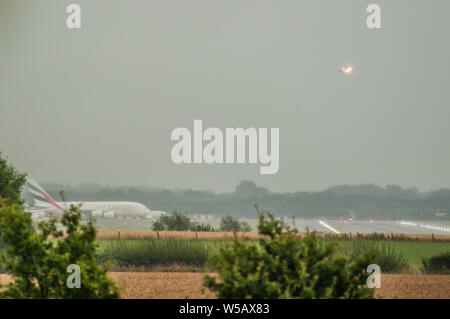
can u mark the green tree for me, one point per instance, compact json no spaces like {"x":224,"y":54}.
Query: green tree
{"x":248,"y":189}
{"x":11,"y":180}
{"x":38,"y":257}
{"x":281,"y":265}
{"x":158,"y":225}
{"x":228,"y":223}
{"x":176,"y":221}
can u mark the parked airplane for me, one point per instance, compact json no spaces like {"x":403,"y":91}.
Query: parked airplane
{"x":44,"y":204}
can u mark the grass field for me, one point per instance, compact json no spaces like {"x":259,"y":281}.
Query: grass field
{"x":151,"y":253}
{"x":189,"y":285}
{"x":191,"y":255}
{"x":415,"y":251}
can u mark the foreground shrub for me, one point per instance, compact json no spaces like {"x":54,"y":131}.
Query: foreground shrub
{"x":439,"y":264}
{"x":281,"y":265}
{"x":37,"y":259}
{"x":11,"y":181}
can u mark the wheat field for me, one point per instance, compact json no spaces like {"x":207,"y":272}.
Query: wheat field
{"x":109,"y":235}
{"x":181,"y":285}
{"x":150,"y":285}
{"x":123,"y":234}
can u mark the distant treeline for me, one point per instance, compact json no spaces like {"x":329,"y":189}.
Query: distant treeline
{"x":366,"y":201}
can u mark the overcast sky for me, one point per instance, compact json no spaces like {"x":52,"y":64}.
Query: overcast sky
{"x":99,"y":104}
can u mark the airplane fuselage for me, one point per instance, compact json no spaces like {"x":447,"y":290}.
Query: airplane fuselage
{"x":44,"y":203}
{"x":119,"y":208}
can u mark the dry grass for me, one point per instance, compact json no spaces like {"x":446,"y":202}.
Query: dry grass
{"x":189,"y":285}
{"x":108,"y":235}
{"x":5,"y":279}
{"x":154,"y":285}
{"x":414,"y":287}
{"x":157,"y":268}
{"x":389,"y":236}
{"x":162,"y":285}
{"x":181,"y":285}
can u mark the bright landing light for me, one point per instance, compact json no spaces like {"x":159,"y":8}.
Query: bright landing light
{"x":347,"y":69}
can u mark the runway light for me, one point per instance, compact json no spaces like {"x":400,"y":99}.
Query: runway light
{"x":328,"y":226}
{"x":426,"y":226}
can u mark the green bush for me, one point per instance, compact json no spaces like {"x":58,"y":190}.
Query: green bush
{"x":228,"y":223}
{"x":390,"y":259}
{"x":158,"y":225}
{"x":176,"y":221}
{"x":439,"y":264}
{"x":201,"y":227}
{"x":38,"y":259}
{"x":281,"y":265}
{"x":180,"y":222}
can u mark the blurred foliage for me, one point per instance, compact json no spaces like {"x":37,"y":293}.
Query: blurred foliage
{"x":11,"y":182}
{"x":283,"y":266}
{"x":37,"y":257}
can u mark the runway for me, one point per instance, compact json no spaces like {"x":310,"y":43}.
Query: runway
{"x":363,"y":226}
{"x":366,"y":226}
{"x":319,"y":225}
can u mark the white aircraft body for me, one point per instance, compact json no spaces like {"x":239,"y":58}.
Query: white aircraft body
{"x":44,"y":204}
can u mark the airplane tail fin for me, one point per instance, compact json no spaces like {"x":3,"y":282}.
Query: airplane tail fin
{"x":40,"y":197}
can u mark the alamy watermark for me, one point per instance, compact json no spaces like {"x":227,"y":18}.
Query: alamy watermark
{"x":74,"y":279}
{"x":374,"y":280}
{"x":73,"y":20}
{"x":235,"y":146}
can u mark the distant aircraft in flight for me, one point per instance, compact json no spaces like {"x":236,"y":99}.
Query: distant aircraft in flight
{"x":347,"y":69}
{"x":44,"y":204}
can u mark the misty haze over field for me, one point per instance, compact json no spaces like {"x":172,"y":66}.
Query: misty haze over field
{"x":99,"y":104}
{"x":362,"y":201}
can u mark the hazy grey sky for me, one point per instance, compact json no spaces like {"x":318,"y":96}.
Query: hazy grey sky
{"x":99,"y":104}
